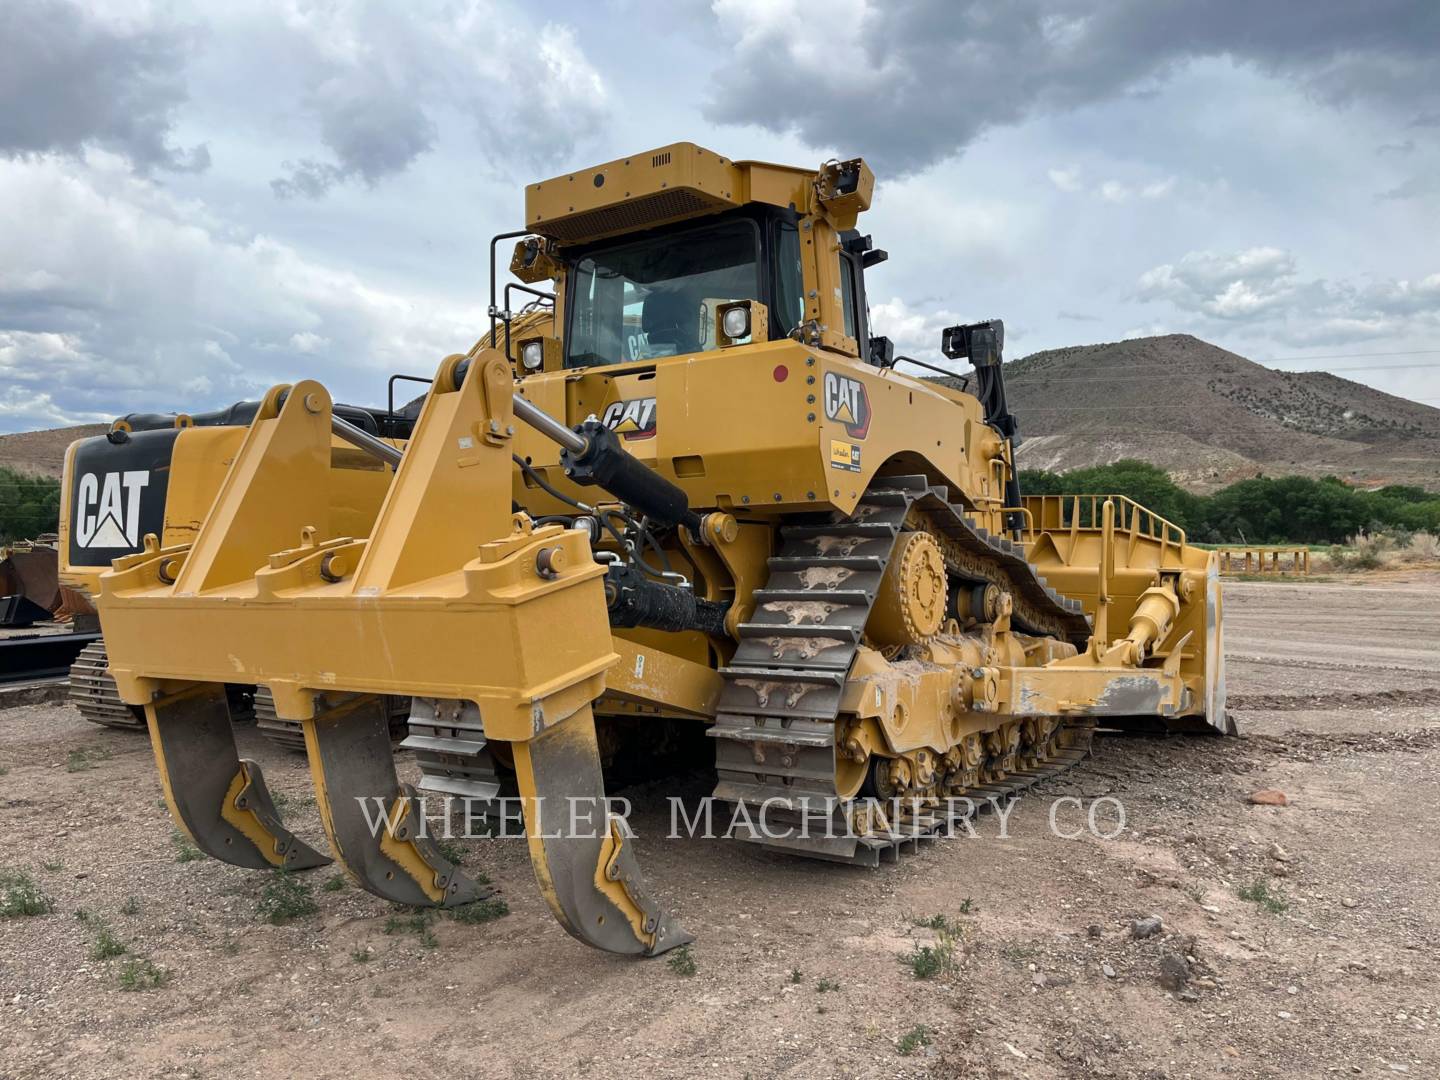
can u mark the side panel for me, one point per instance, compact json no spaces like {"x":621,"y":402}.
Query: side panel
{"x":769,"y":427}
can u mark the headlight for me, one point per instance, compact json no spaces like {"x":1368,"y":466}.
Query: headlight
{"x":736,"y":322}
{"x":532,"y":355}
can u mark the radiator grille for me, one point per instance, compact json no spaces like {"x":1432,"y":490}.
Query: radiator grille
{"x":638,"y":213}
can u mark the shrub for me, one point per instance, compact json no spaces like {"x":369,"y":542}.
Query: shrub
{"x":1423,"y":547}
{"x":107,"y":945}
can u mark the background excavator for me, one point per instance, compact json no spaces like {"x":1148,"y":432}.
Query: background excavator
{"x":683,"y":489}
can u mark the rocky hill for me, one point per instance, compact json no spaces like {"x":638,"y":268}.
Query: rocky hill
{"x":1211,"y":417}
{"x":43,"y":452}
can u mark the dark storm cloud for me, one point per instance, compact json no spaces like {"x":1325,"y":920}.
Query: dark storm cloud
{"x":373,"y":130}
{"x":379,"y":95}
{"x":917,"y":80}
{"x":68,"y":80}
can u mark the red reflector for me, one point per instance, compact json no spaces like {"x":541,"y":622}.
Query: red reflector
{"x":781,"y":373}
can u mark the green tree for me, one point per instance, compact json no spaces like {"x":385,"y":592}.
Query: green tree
{"x":29,"y":505}
{"x":1262,"y":510}
{"x":1146,"y":484}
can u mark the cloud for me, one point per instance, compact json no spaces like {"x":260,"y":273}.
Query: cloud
{"x":1238,"y":285}
{"x":1114,"y":192}
{"x":379,"y":82}
{"x":914,"y":331}
{"x":1262,"y":288}
{"x":71,"y":78}
{"x":1067,"y":180}
{"x":134,"y":299}
{"x":1416,"y":187}
{"x":915,"y":81}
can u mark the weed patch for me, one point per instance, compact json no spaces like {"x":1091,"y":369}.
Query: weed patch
{"x":927,"y":961}
{"x":21,"y":897}
{"x":481,"y":911}
{"x":912,"y":1040}
{"x":88,"y":758}
{"x":185,"y":851}
{"x":1259,"y":892}
{"x":285,"y":897}
{"x":140,"y":974}
{"x":682,"y":962}
{"x":107,"y":945}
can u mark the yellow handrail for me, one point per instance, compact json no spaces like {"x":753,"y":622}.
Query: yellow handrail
{"x":1085,"y":514}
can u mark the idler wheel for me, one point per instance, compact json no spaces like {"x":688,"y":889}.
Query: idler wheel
{"x":910,"y":606}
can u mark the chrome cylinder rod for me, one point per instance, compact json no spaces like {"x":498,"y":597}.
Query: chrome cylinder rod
{"x":362,"y":439}
{"x":548,"y":426}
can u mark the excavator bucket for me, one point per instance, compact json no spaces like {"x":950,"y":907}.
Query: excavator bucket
{"x":451,"y":596}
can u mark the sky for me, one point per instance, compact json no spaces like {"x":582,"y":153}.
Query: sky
{"x":201,"y":200}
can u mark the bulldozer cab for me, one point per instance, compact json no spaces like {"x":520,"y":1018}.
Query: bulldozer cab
{"x":647,"y":252}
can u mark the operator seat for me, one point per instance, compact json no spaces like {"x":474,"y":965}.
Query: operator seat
{"x":672,"y":317}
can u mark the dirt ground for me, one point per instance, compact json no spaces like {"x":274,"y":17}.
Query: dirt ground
{"x":1327,"y":968}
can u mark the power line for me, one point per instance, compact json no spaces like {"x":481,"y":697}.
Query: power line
{"x":1351,"y":356}
{"x":1181,"y":372}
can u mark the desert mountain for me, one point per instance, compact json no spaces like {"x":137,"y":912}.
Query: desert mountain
{"x":42,"y":453}
{"x":1211,"y":417}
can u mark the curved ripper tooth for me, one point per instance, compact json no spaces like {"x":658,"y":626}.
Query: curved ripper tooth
{"x":375,"y":824}
{"x":219,"y":800}
{"x":587,"y":874}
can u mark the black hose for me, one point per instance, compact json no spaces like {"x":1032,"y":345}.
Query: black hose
{"x":545,"y":486}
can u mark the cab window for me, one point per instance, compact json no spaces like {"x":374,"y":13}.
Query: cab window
{"x":657,"y":297}
{"x":847,"y":295}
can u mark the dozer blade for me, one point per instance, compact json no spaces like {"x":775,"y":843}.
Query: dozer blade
{"x":584,"y":863}
{"x":218,"y":799}
{"x":375,"y":824}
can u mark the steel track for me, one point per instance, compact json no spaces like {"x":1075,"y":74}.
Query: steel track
{"x":775,"y":727}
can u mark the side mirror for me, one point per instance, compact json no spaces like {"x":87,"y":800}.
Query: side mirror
{"x":982,"y":342}
{"x":534,"y":262}
{"x":882,"y":352}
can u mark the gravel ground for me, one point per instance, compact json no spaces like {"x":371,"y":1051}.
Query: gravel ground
{"x":1292,"y":941}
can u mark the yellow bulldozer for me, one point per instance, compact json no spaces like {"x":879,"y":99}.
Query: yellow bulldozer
{"x":677,"y":484}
